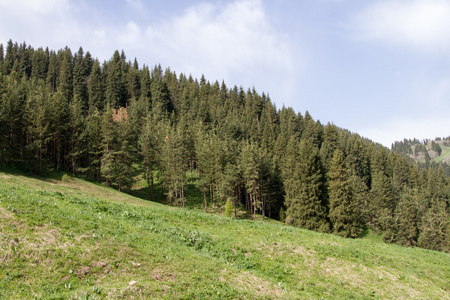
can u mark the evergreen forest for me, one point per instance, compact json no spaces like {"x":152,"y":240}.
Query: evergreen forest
{"x":114,"y":120}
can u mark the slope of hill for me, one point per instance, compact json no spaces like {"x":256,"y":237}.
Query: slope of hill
{"x":437,"y":150}
{"x":74,"y":239}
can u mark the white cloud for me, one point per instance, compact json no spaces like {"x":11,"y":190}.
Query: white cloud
{"x":232,"y":41}
{"x":229,"y":40}
{"x":422,"y":24}
{"x":39,"y":23}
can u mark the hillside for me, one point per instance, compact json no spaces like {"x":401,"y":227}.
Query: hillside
{"x":437,"y":150}
{"x":63,"y":237}
{"x":123,"y":125}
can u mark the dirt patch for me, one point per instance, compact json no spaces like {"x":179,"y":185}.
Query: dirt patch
{"x":247,"y":281}
{"x":6,"y":215}
{"x":160,"y":276}
{"x":100,"y":264}
{"x":384,"y":282}
{"x":83,"y":271}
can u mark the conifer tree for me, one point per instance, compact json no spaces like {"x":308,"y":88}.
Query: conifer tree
{"x":108,"y":145}
{"x":59,"y":114}
{"x":115,"y":91}
{"x":2,"y":57}
{"x":37,"y":112}
{"x":251,"y":172}
{"x":344,"y":214}
{"x":77,"y":134}
{"x":94,"y":137}
{"x":96,"y":88}
{"x":39,"y":63}
{"x":382,"y":202}
{"x":407,"y":218}
{"x":66,"y":75}
{"x":329,"y":145}
{"x":53,"y":70}
{"x":124,"y":151}
{"x":306,"y":202}
{"x":148,"y":148}
{"x":81,"y":70}
{"x":10,"y":57}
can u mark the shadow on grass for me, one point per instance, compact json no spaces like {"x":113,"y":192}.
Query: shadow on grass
{"x":47,"y":175}
{"x":193,"y":195}
{"x":194,"y":200}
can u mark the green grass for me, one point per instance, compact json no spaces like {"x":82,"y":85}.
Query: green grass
{"x":445,"y":155}
{"x":71,"y":239}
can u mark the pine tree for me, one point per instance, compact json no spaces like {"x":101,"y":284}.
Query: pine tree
{"x":77,"y":134}
{"x":329,"y":145}
{"x":94,"y":138}
{"x":148,"y":148}
{"x":109,"y":145}
{"x":344,"y":214}
{"x":115,"y":91}
{"x":306,"y":200}
{"x":39,"y":63}
{"x":251,"y":172}
{"x":60,"y":116}
{"x":66,"y":75}
{"x":124,"y":151}
{"x":53,"y":70}
{"x":37,"y":112}
{"x":81,"y":70}
{"x":407,"y":218}
{"x":2,"y":58}
{"x":10,"y":57}
{"x":96,"y":88}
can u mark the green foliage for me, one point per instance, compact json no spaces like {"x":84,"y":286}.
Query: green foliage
{"x":179,"y":140}
{"x":305,"y":200}
{"x":228,"y":208}
{"x":344,"y":214}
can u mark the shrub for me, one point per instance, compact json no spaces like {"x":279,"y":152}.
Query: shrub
{"x":66,"y":178}
{"x":228,"y":208}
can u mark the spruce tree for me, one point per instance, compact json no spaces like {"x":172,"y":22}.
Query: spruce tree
{"x":96,"y":88}
{"x":77,"y":134}
{"x":148,"y":148}
{"x":124,"y":151}
{"x":115,"y":90}
{"x":94,"y":138}
{"x":329,"y":145}
{"x":407,"y":218}
{"x":109,"y":146}
{"x":306,"y":200}
{"x":344,"y":214}
{"x":66,"y":75}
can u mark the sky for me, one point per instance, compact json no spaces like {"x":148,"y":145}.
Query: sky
{"x":378,"y":68}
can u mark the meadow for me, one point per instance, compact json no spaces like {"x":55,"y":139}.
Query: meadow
{"x":66,"y":238}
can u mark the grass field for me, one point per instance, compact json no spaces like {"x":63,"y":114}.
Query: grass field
{"x":65,"y":238}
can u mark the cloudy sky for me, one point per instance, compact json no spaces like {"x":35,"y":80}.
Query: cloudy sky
{"x":380,"y":68}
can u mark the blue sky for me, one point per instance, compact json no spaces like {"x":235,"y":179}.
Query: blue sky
{"x":380,"y":68}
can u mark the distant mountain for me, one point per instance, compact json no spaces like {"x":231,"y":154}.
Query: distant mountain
{"x":437,"y":150}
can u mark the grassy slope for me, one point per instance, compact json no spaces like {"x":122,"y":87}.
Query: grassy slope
{"x":445,"y":155}
{"x":75,"y":239}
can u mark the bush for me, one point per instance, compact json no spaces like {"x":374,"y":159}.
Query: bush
{"x":66,"y":178}
{"x":228,"y":208}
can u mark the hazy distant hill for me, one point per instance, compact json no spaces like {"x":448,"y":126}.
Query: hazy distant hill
{"x":437,"y":150}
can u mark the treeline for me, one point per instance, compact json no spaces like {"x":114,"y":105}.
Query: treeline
{"x":113,"y":120}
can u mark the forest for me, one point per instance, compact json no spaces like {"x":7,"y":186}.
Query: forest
{"x":109,"y":121}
